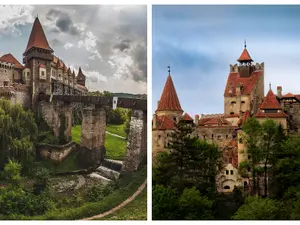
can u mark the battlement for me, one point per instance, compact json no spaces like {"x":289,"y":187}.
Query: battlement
{"x":6,"y":65}
{"x":211,"y":115}
{"x":236,"y":68}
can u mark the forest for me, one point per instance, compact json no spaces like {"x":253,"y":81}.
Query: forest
{"x":184,"y":178}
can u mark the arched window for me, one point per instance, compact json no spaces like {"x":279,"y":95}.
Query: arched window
{"x":242,"y":102}
{"x":226,"y":187}
{"x":231,"y":113}
{"x":233,"y":102}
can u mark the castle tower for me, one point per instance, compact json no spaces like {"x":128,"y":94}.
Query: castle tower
{"x":244,"y":90}
{"x":169,"y":103}
{"x":38,"y":56}
{"x":81,"y":77}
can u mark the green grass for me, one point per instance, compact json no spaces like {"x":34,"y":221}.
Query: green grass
{"x":128,"y":184}
{"x":116,"y":129}
{"x":115,"y":147}
{"x":135,"y":210}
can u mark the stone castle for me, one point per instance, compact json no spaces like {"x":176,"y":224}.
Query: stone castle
{"x":243,"y":98}
{"x":42,"y":72}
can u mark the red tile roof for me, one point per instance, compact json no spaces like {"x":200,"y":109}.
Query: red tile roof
{"x":288,"y":95}
{"x":217,"y":121}
{"x":79,"y":86}
{"x":245,"y":56}
{"x":37,"y":37}
{"x":10,"y":58}
{"x":270,"y":115}
{"x":164,"y":123}
{"x":248,"y":83}
{"x":187,"y":117}
{"x":169,"y":99}
{"x":270,"y":101}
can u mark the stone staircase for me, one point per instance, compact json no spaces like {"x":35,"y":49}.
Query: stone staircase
{"x":108,"y":171}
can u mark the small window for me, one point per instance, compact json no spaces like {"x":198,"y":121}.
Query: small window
{"x":226,"y":136}
{"x":242,"y":102}
{"x":227,"y":172}
{"x":43,"y":73}
{"x":27,"y":73}
{"x":5,"y":83}
{"x":233,"y":102}
{"x":231,"y":113}
{"x":226,"y":187}
{"x":249,"y":157}
{"x":231,"y":172}
{"x":219,"y":137}
{"x":159,"y":136}
{"x":212,"y":136}
{"x":174,"y":119}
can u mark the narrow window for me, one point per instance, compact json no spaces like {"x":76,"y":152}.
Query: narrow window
{"x":231,"y":172}
{"x":227,"y":172}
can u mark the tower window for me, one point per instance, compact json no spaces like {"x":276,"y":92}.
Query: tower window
{"x":231,"y":113}
{"x":233,"y":102}
{"x":5,"y":83}
{"x":226,"y":187}
{"x":226,"y":136}
{"x":231,"y":172}
{"x":227,"y":172}
{"x":242,"y":102}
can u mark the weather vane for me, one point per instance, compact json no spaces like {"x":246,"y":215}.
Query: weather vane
{"x":245,"y":44}
{"x":169,"y":69}
{"x":270,"y":85}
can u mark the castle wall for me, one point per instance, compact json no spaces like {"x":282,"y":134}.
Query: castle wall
{"x":160,"y":140}
{"x":293,"y":112}
{"x":216,"y":134}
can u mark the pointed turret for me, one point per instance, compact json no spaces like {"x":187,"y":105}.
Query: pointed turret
{"x":37,"y":37}
{"x":169,"y":100}
{"x":80,"y":77}
{"x":245,"y":56}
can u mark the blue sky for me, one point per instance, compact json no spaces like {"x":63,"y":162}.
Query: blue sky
{"x":200,"y":42}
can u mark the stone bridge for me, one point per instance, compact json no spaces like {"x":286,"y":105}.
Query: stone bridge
{"x":94,"y":125}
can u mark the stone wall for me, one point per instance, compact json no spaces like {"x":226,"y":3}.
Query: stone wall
{"x":137,"y":141}
{"x":55,"y":153}
{"x":93,"y":136}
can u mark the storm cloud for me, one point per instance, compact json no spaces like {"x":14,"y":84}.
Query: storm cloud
{"x":108,"y":42}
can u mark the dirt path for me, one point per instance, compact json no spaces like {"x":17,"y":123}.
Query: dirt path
{"x":115,"y":135}
{"x":128,"y":200}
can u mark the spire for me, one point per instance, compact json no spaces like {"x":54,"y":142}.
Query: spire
{"x":37,"y":37}
{"x":245,"y":56}
{"x":169,"y":69}
{"x":169,"y":99}
{"x":269,"y":85}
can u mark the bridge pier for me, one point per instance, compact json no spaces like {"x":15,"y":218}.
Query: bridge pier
{"x":93,"y":136}
{"x":137,"y":142}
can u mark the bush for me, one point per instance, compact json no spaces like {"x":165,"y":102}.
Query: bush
{"x":98,"y":192}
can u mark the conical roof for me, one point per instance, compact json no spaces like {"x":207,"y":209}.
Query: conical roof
{"x":270,"y":101}
{"x":169,"y":99}
{"x":37,"y":37}
{"x":245,"y":56}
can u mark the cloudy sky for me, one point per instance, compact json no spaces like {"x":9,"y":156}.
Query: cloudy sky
{"x":200,"y":42}
{"x":108,"y":42}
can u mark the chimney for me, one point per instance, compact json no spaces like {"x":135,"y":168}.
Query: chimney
{"x":279,"y":91}
{"x":196,"y":119}
{"x":154,"y":121}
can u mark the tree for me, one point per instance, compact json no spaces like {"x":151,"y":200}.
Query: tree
{"x":257,"y":208}
{"x":165,"y":203}
{"x":189,"y":162}
{"x":18,"y":134}
{"x":12,"y":173}
{"x":193,"y":206}
{"x":286,"y":171}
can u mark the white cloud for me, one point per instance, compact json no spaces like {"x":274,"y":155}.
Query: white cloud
{"x":68,"y":45}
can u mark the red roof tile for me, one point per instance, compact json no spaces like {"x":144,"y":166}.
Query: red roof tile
{"x":245,"y":56}
{"x":79,"y":86}
{"x":10,"y":58}
{"x":37,"y":37}
{"x":248,"y":83}
{"x":270,"y":101}
{"x":164,"y":123}
{"x":202,"y":121}
{"x":270,"y":115}
{"x":187,"y":117}
{"x":169,"y":99}
{"x":217,"y":121}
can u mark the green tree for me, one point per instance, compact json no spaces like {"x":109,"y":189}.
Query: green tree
{"x":194,"y":206}
{"x":257,"y":208}
{"x":12,"y":173}
{"x":18,"y":134}
{"x":286,"y":171}
{"x":165,"y":203}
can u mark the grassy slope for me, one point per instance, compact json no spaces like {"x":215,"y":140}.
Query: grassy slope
{"x":128,"y":185}
{"x":116,"y":129}
{"x":115,"y":147}
{"x":135,"y":210}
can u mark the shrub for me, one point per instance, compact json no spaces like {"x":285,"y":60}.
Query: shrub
{"x":98,"y":192}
